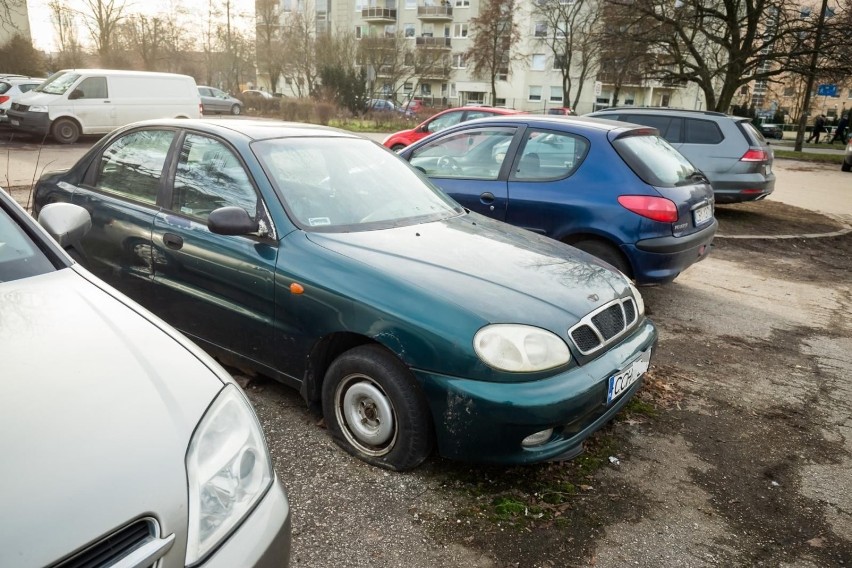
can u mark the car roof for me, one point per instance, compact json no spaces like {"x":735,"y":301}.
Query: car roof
{"x":120,"y":72}
{"x":670,"y":111}
{"x":253,"y":129}
{"x":587,"y":123}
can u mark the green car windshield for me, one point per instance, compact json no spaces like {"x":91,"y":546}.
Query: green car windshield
{"x":345,"y":184}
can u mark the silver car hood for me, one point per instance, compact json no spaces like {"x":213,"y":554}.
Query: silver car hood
{"x":98,"y":405}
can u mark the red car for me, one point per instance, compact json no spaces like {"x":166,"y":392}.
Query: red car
{"x":440,"y":121}
{"x":564,"y":111}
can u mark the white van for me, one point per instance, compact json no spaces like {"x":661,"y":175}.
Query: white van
{"x":96,"y":101}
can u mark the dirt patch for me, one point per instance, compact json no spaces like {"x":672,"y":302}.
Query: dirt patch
{"x":772,"y":218}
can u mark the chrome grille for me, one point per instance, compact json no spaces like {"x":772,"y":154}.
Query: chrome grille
{"x":604,"y":325}
{"x":111,"y":549}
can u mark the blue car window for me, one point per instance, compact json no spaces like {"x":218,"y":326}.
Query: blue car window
{"x":210,"y":176}
{"x":476,"y":153}
{"x":132,"y":166}
{"x":549,"y":155}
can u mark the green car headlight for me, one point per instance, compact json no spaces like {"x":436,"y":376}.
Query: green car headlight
{"x":229,"y":470}
{"x":520,"y":348}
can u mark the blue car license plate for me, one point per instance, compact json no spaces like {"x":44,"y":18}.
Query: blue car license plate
{"x":621,"y":381}
{"x":703,"y":214}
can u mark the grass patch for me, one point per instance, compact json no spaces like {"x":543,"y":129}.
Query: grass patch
{"x":639,"y":406}
{"x":809,"y":157}
{"x":372,"y":125}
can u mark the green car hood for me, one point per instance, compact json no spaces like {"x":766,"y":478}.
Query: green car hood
{"x":497,"y":272}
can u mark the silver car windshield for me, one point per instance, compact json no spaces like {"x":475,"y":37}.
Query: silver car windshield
{"x":343,"y":184}
{"x":20,"y":257}
{"x":58,"y":83}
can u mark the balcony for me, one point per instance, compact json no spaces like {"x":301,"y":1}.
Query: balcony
{"x":432,"y":73}
{"x":386,"y":15}
{"x":630,"y":79}
{"x":433,"y":42}
{"x":435,"y":13}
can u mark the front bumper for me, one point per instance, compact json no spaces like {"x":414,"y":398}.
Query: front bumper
{"x":483,"y":421}
{"x":262,"y":540}
{"x":31,"y":122}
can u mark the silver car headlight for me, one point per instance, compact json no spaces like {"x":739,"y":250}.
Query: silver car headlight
{"x":520,"y":348}
{"x":228,"y":469}
{"x":38,"y":108}
{"x":640,"y":303}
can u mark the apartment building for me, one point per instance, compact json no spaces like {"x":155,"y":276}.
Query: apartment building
{"x":443,"y":30}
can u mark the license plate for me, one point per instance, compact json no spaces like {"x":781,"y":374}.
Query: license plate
{"x":16,"y":122}
{"x":703,"y":214}
{"x":621,"y":381}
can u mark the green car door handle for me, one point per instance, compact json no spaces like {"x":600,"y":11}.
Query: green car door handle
{"x":172,"y":241}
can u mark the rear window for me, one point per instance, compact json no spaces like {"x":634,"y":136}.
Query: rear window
{"x":4,"y":87}
{"x":654,"y":160}
{"x":702,"y":132}
{"x":755,"y":138}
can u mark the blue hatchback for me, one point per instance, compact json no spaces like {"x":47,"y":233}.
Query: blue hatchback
{"x":615,"y":190}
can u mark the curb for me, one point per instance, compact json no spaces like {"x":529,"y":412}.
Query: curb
{"x":839,"y":233}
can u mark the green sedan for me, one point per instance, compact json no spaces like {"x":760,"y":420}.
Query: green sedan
{"x":321,"y":259}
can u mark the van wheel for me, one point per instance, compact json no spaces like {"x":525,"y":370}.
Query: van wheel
{"x":236,"y":109}
{"x":65,"y":131}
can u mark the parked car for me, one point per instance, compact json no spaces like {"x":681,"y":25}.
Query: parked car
{"x":773,"y":131}
{"x":379,"y":105}
{"x":561,"y":111}
{"x":216,"y":101}
{"x":444,"y":119}
{"x":256,"y":94}
{"x":847,"y":159}
{"x":729,"y":150}
{"x":127,"y":444}
{"x":73,"y":102}
{"x":10,"y":89}
{"x":413,"y":106}
{"x":616,"y":191}
{"x":321,"y":259}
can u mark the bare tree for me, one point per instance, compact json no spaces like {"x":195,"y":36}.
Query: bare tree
{"x":102,"y":18}
{"x":12,"y":11}
{"x":270,"y":45}
{"x":495,"y":33}
{"x":571,"y":33}
{"x":65,"y":26}
{"x":298,"y":58}
{"x":624,"y":57}
{"x":144,"y":36}
{"x":720,"y":45}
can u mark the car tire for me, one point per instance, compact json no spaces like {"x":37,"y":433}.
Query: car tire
{"x":845,"y":167}
{"x":397,"y":147}
{"x":375,"y":410}
{"x":65,"y":131}
{"x":236,"y":109}
{"x":606,"y":252}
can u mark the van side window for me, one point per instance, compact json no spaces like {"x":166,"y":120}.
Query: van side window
{"x":702,"y":132}
{"x":93,"y":88}
{"x":210,"y":176}
{"x":132,"y":166}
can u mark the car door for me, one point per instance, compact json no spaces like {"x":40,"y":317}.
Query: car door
{"x":120,"y":191}
{"x":468,"y":164}
{"x":92,"y":105}
{"x":208,"y":100}
{"x":215,"y":288}
{"x":219,"y":100}
{"x":543,"y":196}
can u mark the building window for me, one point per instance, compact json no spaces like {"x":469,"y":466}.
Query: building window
{"x":390,"y":30}
{"x":462,"y":3}
{"x":410,"y":4}
{"x":444,"y":89}
{"x":407,"y":87}
{"x":499,"y":102}
{"x":540,"y":29}
{"x":359,"y":32}
{"x":426,"y":89}
{"x":453,"y":92}
{"x":535,"y":93}
{"x":556,"y":94}
{"x":428,"y":30}
{"x":629,"y":99}
{"x":458,"y":61}
{"x":409,"y":30}
{"x":476,"y":98}
{"x":460,"y":30}
{"x":539,"y":60}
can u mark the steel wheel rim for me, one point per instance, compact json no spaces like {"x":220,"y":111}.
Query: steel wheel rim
{"x":366,"y":415}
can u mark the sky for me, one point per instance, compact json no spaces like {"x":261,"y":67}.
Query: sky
{"x":43,"y":32}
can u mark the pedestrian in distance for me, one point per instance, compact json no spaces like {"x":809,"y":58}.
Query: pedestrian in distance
{"x":819,"y":128}
{"x":840,"y":131}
